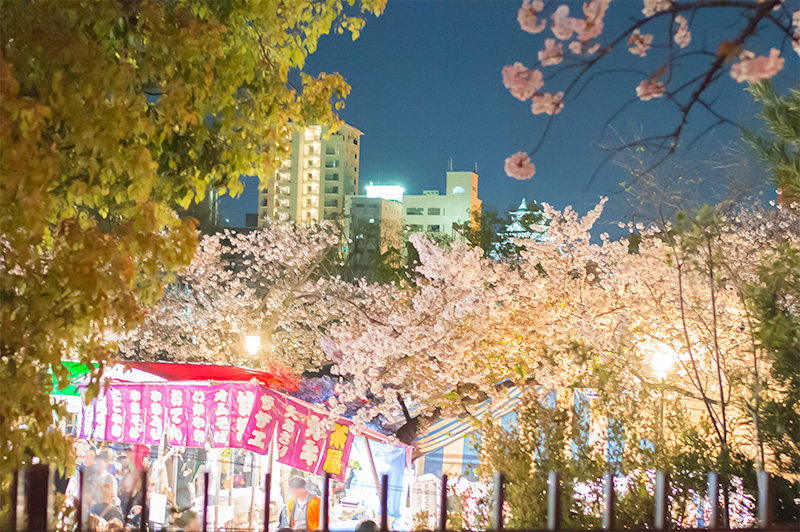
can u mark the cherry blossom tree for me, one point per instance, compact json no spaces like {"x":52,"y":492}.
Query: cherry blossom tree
{"x":579,"y":51}
{"x":273,"y":282}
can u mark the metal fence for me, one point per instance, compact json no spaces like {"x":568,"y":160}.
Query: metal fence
{"x":37,"y":485}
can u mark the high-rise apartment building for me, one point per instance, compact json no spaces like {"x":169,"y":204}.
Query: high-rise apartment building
{"x":313,"y":181}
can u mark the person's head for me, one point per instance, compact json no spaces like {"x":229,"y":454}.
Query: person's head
{"x":107,"y":494}
{"x":299,"y":488}
{"x":189,"y":522}
{"x":89,"y":459}
{"x":101,"y":461}
{"x":367,"y":526}
{"x":115,"y":525}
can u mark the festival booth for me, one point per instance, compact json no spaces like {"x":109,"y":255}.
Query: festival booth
{"x":234,"y":424}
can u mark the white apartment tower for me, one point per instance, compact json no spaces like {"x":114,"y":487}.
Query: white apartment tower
{"x":432,"y":212}
{"x":313,"y":181}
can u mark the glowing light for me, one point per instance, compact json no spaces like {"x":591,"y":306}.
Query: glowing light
{"x":387,"y":192}
{"x":252,"y":342}
{"x":662,"y":359}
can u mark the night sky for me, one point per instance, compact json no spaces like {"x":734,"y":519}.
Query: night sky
{"x":426,"y":87}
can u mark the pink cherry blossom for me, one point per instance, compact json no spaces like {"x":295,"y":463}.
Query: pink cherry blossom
{"x":545,"y":102}
{"x":593,"y":49}
{"x":651,"y":7}
{"x":519,"y":166}
{"x":754,"y":69}
{"x":796,"y":34}
{"x":552,"y":54}
{"x":563,"y":25}
{"x":592,"y":24}
{"x":682,"y":35}
{"x":640,"y":43}
{"x":521,"y":81}
{"x":576,"y":47}
{"x":649,"y":89}
{"x":528,"y":16}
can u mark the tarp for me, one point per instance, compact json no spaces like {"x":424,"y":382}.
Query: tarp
{"x":76,"y":372}
{"x":170,"y":371}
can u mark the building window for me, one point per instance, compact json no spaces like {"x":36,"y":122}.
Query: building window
{"x":415,"y":228}
{"x":332,"y":203}
{"x":434,"y":211}
{"x":331,"y":150}
{"x":415,"y":210}
{"x":334,"y":163}
{"x":433,"y":228}
{"x":459,"y":190}
{"x":332,"y":177}
{"x":355,"y":141}
{"x":331,"y":190}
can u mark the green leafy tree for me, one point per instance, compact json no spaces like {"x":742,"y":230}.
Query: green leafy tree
{"x":779,"y":148}
{"x":773,"y":300}
{"x":115,"y":113}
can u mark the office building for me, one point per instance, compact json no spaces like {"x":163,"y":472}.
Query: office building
{"x":432,"y":212}
{"x":374,"y":228}
{"x":313,"y":181}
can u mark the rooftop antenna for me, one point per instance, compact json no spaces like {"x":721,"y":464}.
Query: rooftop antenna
{"x":476,"y":167}
{"x":450,"y":165}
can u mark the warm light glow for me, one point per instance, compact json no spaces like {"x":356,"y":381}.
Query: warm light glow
{"x":252,"y":342}
{"x":387,"y":192}
{"x":662,"y":358}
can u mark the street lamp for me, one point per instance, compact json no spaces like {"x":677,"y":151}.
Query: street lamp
{"x":252,"y":342}
{"x":662,"y":359}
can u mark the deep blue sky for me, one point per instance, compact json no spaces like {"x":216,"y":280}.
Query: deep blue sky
{"x":426,"y":87}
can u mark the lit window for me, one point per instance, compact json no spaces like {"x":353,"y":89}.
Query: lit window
{"x":459,"y":190}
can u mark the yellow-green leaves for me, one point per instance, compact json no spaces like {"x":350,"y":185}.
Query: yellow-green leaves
{"x":114,"y":114}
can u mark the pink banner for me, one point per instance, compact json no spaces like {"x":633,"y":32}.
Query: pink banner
{"x":310,"y":439}
{"x":100,"y":416}
{"x":267,"y":413}
{"x":154,"y":400}
{"x":134,"y":414}
{"x":87,"y":421}
{"x":218,"y":403}
{"x":197,"y":417}
{"x":177,"y":415}
{"x":292,"y":424}
{"x":243,"y":400}
{"x":336,"y":451}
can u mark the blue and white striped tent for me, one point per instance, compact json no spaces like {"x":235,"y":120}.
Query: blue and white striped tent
{"x":448,"y":446}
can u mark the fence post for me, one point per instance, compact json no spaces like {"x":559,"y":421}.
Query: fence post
{"x":326,"y":496}
{"x":662,"y":500}
{"x":206,"y":476}
{"x":36,"y":486}
{"x":609,"y":498}
{"x":144,"y":514}
{"x":267,"y":488}
{"x":713,"y":500}
{"x":553,"y":501}
{"x":384,"y":503}
{"x":443,"y":505}
{"x":764,"y":500}
{"x":14,"y":499}
{"x":498,"y":498}
{"x":79,"y":504}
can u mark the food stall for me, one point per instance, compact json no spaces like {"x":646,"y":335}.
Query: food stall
{"x":241,"y":424}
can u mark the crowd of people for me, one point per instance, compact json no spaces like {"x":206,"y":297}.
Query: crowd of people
{"x":112,"y":476}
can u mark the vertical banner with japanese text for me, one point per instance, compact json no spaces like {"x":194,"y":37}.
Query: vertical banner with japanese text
{"x":132,"y":402}
{"x":154,"y":400}
{"x":268,"y":412}
{"x":178,"y":420}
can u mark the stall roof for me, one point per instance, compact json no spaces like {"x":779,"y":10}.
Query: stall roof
{"x":130,"y":371}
